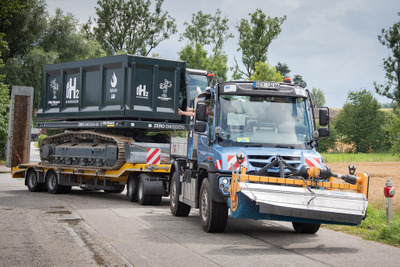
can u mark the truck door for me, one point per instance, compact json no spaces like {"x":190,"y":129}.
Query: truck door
{"x":204,"y":149}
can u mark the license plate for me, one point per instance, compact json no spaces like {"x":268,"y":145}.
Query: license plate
{"x":266,"y":85}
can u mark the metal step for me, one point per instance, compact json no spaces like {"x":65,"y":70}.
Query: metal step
{"x":327,"y":206}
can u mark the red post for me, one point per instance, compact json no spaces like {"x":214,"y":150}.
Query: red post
{"x":389,"y":192}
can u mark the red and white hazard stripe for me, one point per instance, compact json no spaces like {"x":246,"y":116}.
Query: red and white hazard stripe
{"x":153,"y":156}
{"x":313,"y":162}
{"x":233,"y":161}
{"x":218,"y":164}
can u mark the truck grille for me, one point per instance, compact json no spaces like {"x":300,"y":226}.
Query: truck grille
{"x":259,"y":161}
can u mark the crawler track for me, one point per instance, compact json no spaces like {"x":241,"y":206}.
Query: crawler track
{"x":83,"y":140}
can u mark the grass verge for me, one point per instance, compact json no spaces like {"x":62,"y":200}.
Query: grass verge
{"x":374,"y":227}
{"x":359,"y":157}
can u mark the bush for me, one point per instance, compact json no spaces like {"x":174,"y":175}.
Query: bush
{"x":40,"y":139}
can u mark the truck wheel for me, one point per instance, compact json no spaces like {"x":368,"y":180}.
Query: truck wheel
{"x":178,"y":208}
{"x":306,"y":228}
{"x":52,"y":183}
{"x":213,"y":215}
{"x":142,"y":198}
{"x":131,"y":189}
{"x":32,"y":182}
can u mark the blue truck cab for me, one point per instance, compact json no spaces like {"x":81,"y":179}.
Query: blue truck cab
{"x":265,"y":131}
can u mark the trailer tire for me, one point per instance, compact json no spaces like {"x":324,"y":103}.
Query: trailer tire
{"x":213,"y":215}
{"x":306,"y":228}
{"x":32,"y":182}
{"x":52,"y":183}
{"x":177,"y":208}
{"x":131,"y":189}
{"x":142,"y":198}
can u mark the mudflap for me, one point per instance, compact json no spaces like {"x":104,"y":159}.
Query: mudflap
{"x":298,"y":204}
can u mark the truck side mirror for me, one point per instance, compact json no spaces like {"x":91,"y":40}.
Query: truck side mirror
{"x":201,"y":112}
{"x":324,"y":132}
{"x":324,"y":116}
{"x":200,"y":127}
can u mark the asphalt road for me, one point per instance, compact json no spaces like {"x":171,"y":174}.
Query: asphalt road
{"x":96,"y":229}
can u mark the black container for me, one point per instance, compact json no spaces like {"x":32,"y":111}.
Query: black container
{"x":118,"y":87}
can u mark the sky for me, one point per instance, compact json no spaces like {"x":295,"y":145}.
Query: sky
{"x":333,"y":45}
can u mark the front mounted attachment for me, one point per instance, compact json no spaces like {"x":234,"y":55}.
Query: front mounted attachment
{"x":309,"y":195}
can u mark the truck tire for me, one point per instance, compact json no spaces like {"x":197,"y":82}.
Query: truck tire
{"x":178,"y":208}
{"x":213,"y":215}
{"x":32,"y":182}
{"x":306,"y":228}
{"x":131,"y":189}
{"x":142,"y":198}
{"x":52,"y":183}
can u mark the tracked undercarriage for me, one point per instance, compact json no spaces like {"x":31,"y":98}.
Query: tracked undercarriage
{"x":84,"y":149}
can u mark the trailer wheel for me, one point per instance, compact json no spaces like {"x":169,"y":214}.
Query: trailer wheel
{"x":32,"y":182}
{"x":178,"y":208}
{"x":306,"y":228}
{"x":213,"y":215}
{"x":142,"y":198}
{"x":131,"y":189}
{"x":52,"y":183}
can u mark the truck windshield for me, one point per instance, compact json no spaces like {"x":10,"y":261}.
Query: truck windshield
{"x":264,"y":121}
{"x":197,"y":83}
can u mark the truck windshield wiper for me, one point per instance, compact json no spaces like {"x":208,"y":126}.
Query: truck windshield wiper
{"x":253,"y":145}
{"x":284,"y":146}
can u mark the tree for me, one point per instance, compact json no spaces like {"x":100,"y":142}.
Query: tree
{"x":61,"y":40}
{"x":283,"y":69}
{"x":195,"y":56}
{"x":318,"y":97}
{"x":255,"y":36}
{"x":130,"y":26}
{"x":22,"y":22}
{"x":266,"y":72}
{"x":326,"y":144}
{"x":63,"y":36}
{"x":391,"y":39}
{"x":211,"y":31}
{"x":361,"y":122}
{"x":394,"y":132}
{"x":199,"y":31}
{"x":27,"y":71}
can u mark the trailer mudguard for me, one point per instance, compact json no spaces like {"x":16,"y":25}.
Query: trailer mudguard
{"x":152,"y":185}
{"x":213,"y":179}
{"x":40,"y":176}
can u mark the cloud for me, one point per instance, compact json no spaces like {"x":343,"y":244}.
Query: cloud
{"x":332,"y":44}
